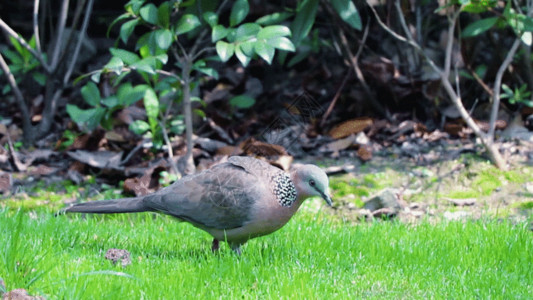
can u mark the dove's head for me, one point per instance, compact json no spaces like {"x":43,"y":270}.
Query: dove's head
{"x":311,"y":181}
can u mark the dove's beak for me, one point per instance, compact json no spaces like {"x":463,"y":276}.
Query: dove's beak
{"x":327,"y":198}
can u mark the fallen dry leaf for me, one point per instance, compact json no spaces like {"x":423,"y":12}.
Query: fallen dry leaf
{"x":98,"y":159}
{"x":350,"y":127}
{"x":364,"y":153}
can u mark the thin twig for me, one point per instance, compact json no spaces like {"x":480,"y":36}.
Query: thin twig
{"x":59,"y":35}
{"x":73,"y":25}
{"x":479,"y":80}
{"x":335,"y":98}
{"x":18,"y":94}
{"x":497,"y":85}
{"x":36,"y":26}
{"x":82,"y":35}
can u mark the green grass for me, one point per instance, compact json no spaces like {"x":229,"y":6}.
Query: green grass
{"x":312,"y":257}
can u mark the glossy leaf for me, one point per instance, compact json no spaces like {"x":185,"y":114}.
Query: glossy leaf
{"x":219,"y":32}
{"x":115,"y":65}
{"x":248,"y":48}
{"x":479,"y":26}
{"x":243,"y":58}
{"x":163,"y":38}
{"x":348,"y":12}
{"x":281,"y":43}
{"x":149,"y":13}
{"x":273,"y":31}
{"x":127,"y":29}
{"x":210,"y":18}
{"x":304,"y":20}
{"x":274,"y":18}
{"x":126,"y":56}
{"x":187,"y":23}
{"x":246,"y":31}
{"x":265,"y":51}
{"x":225,"y":50}
{"x":163,"y":15}
{"x":239,"y":11}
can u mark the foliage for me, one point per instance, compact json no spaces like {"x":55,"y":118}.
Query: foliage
{"x":518,"y":95}
{"x":23,"y":63}
{"x":176,"y":30}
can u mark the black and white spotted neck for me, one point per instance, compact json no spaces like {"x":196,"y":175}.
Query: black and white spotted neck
{"x":284,"y":189}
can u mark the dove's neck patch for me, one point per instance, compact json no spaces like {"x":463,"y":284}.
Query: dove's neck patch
{"x":284,"y":189}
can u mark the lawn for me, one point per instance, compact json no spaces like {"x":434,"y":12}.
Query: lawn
{"x":314,"y":256}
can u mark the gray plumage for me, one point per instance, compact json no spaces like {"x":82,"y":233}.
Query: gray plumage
{"x":233,"y":201}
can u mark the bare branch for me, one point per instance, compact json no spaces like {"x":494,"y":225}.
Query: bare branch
{"x":412,"y":43}
{"x":497,"y":85}
{"x":36,"y":26}
{"x":449,"y":44}
{"x":59,"y":35}
{"x":82,"y":35}
{"x":18,"y":94}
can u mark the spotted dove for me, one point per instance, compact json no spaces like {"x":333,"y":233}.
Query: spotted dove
{"x":234,"y":201}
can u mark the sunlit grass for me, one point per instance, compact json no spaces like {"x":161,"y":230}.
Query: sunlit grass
{"x":312,"y":257}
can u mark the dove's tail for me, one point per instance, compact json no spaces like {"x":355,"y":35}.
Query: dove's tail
{"x":124,"y":205}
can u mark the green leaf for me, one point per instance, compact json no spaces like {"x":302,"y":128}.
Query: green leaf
{"x":304,"y":20}
{"x":199,"y":113}
{"x":151,"y":105}
{"x":163,"y":38}
{"x":477,"y":6}
{"x":187,"y":23}
{"x":149,"y":13}
{"x":126,"y":56}
{"x":133,"y":6}
{"x":219,"y":32}
{"x":265,"y":51}
{"x":207,"y":71}
{"x":163,"y":58}
{"x":111,"y":101}
{"x":479,"y":26}
{"x":139,"y":127}
{"x":274,"y":18}
{"x":225,"y":50}
{"x":128,"y":95}
{"x":115,"y":65}
{"x":242,"y":101}
{"x":146,"y":64}
{"x":39,"y":77}
{"x":118,"y":19}
{"x":91,"y":94}
{"x":163,"y":15}
{"x":273,"y":31}
{"x":96,"y":76}
{"x":281,"y":43}
{"x":527,"y":38}
{"x":348,"y":13}
{"x":90,"y":118}
{"x":243,"y":58}
{"x":239,"y":11}
{"x":528,"y":23}
{"x":247,"y":31}
{"x":127,"y":29}
{"x":210,"y":18}
{"x":248,"y":48}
